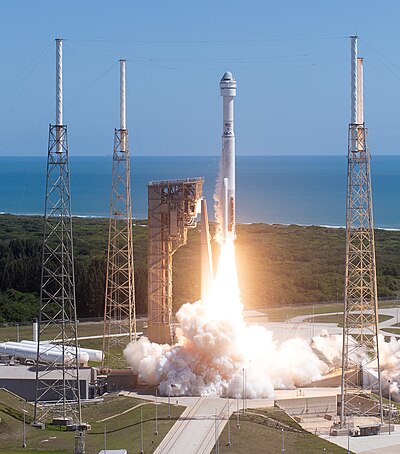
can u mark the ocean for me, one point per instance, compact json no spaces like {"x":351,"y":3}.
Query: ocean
{"x":306,"y":190}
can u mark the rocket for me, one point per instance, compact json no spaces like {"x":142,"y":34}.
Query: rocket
{"x":225,"y":191}
{"x":227,"y":196}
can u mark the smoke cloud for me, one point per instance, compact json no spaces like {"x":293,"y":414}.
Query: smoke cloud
{"x":389,"y":355}
{"x":215,"y":349}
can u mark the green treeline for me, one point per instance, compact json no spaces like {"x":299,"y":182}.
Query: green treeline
{"x":277,"y":265}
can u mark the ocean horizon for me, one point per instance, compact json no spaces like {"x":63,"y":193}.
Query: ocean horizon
{"x":303,"y":190}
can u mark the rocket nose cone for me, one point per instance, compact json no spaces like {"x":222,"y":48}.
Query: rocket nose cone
{"x":227,"y":76}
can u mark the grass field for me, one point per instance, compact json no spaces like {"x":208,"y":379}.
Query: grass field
{"x":119,"y":416}
{"x":261,"y":431}
{"x":392,"y":330}
{"x":280,"y":314}
{"x":273,"y":314}
{"x":84,"y":329}
{"x":338,"y":319}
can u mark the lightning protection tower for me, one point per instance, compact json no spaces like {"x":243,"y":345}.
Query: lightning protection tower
{"x":119,"y":311}
{"x":360,"y":357}
{"x":57,"y":378}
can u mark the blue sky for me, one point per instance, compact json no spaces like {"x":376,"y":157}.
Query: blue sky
{"x":290,"y":58}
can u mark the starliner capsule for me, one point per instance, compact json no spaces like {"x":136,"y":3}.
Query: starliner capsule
{"x":227,"y":196}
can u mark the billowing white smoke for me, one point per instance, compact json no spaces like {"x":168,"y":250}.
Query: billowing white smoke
{"x":214,"y":346}
{"x":330,"y":346}
{"x":389,"y":354}
{"x":210,"y":356}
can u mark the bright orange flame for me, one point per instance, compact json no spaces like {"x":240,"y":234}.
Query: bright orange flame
{"x":223,"y":300}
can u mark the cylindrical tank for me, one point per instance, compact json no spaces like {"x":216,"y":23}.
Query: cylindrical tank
{"x":93,"y":355}
{"x":25,"y":352}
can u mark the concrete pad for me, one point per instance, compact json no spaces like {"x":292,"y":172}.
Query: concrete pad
{"x":388,"y":450}
{"x":374,"y":444}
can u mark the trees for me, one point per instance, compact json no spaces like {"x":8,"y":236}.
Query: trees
{"x":18,"y":306}
{"x":277,"y":265}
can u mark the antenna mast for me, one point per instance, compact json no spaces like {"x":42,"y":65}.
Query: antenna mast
{"x":360,"y":357}
{"x":57,"y":319}
{"x":119,"y":310}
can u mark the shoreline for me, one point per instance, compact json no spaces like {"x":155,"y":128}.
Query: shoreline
{"x":285,"y":224}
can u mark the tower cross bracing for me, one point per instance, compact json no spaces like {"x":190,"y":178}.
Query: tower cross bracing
{"x":57,"y":319}
{"x":119,"y":311}
{"x":360,"y":356}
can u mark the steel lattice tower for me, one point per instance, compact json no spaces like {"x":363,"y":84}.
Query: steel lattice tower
{"x":58,"y":381}
{"x":360,"y":358}
{"x":119,"y":311}
{"x":173,"y":206}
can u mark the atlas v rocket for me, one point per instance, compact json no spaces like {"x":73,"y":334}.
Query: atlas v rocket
{"x":227,"y":196}
{"x":226,"y":187}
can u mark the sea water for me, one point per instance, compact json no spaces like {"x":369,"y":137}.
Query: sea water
{"x":307,"y":190}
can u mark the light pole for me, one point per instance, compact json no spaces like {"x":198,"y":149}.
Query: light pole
{"x":156,"y":430}
{"x":313,"y":321}
{"x":244,"y":384}
{"x":390,"y":407}
{"x":283,"y":442}
{"x":141,"y":430}
{"x":229,"y":426}
{"x":23,"y":427}
{"x":348,"y":435}
{"x":105,"y":438}
{"x":245,"y":389}
{"x":17,"y":326}
{"x":216,"y":435}
{"x":169,"y":400}
{"x":237,"y":404}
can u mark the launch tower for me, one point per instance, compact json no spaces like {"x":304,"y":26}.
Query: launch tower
{"x":119,"y":311}
{"x":360,"y":357}
{"x":57,"y":318}
{"x":173,"y":207}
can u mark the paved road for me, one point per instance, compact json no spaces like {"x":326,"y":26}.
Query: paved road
{"x":297,"y":327}
{"x":198,"y":426}
{"x":196,"y":429}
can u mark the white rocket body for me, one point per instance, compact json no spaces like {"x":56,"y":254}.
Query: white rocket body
{"x":227,"y":196}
